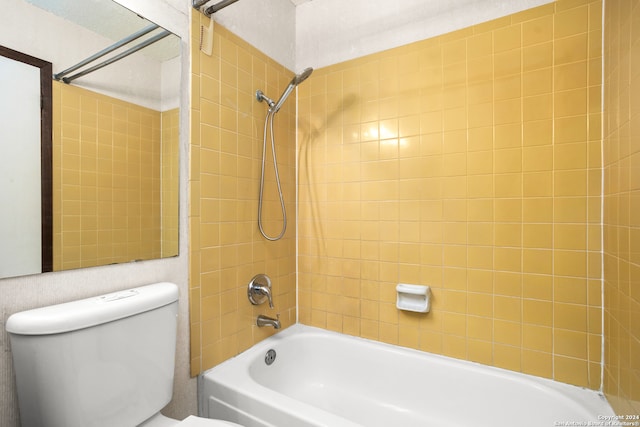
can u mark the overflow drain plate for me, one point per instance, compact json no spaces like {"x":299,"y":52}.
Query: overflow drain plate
{"x":270,"y":357}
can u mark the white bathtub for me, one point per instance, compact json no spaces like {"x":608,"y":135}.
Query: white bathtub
{"x":322,"y":378}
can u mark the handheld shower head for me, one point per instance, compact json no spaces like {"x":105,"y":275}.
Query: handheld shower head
{"x":304,"y":75}
{"x":295,"y":81}
{"x":268,"y":124}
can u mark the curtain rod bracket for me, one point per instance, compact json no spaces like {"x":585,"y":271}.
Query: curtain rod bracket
{"x":208,"y":11}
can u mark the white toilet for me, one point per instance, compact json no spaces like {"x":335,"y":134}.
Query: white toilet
{"x":106,"y":361}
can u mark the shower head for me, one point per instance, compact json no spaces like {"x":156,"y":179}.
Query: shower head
{"x":299,"y":78}
{"x":295,"y":81}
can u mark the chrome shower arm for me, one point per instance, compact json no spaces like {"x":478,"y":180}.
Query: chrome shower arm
{"x":260,"y":96}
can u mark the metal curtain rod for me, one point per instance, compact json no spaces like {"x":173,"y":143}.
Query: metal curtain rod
{"x":118,"y":57}
{"x":107,"y":50}
{"x":197,"y":4}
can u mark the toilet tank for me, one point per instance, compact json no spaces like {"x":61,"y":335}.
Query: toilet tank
{"x":106,"y":361}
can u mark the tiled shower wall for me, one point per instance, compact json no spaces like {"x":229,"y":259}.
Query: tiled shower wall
{"x":226,"y":250}
{"x":106,"y":178}
{"x":622,"y":206}
{"x":470,"y":162}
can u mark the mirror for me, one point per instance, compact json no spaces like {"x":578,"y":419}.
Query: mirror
{"x":25,"y":133}
{"x":114,"y":136}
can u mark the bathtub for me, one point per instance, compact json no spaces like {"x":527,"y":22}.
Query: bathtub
{"x":321,"y":378}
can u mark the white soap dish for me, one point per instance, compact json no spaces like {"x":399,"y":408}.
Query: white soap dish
{"x":413,"y":298}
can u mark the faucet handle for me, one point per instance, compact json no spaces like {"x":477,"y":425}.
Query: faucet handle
{"x":259,"y":290}
{"x":270,"y":298}
{"x":266,"y":291}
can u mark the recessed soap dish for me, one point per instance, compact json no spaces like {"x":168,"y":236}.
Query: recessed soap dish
{"x":413,"y":298}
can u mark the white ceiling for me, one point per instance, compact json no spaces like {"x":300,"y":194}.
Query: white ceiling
{"x":298,"y":2}
{"x":110,"y":20}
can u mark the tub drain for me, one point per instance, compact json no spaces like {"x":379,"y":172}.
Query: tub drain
{"x":270,"y":357}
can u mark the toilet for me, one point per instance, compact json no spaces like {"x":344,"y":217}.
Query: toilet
{"x":106,"y":361}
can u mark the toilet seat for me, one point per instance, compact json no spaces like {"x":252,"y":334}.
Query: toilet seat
{"x":192,"y":421}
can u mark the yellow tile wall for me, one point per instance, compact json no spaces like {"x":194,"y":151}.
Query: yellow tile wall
{"x":469,"y":162}
{"x":106,"y":179}
{"x":170,"y":181}
{"x":225,"y":247}
{"x":621,"y":206}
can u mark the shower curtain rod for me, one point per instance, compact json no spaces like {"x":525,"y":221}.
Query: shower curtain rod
{"x":208,"y":11}
{"x":117,"y":45}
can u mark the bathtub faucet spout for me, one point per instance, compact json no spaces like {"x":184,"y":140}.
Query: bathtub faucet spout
{"x":268,"y":321}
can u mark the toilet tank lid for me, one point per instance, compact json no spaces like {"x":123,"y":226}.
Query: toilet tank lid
{"x":80,"y":314}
